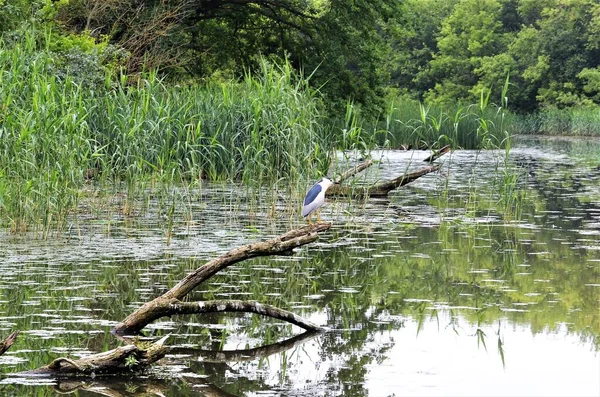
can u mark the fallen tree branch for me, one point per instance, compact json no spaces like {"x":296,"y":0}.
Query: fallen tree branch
{"x":437,"y":154}
{"x":353,"y":171}
{"x":7,"y":343}
{"x":56,"y":364}
{"x":173,"y":307}
{"x":123,"y":359}
{"x":281,"y":245}
{"x":380,"y":189}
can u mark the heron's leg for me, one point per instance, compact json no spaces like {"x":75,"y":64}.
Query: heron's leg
{"x":310,"y":219}
{"x":318,"y":216}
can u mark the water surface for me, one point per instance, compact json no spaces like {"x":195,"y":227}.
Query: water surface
{"x":480,"y":279}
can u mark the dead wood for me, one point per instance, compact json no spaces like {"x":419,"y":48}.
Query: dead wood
{"x":122,"y":360}
{"x":115,"y":387}
{"x":353,"y":171}
{"x":7,"y":343}
{"x":170,"y":302}
{"x":437,"y":154}
{"x":176,"y":307}
{"x":380,"y":189}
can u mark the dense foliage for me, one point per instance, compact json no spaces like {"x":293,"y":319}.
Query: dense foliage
{"x":550,"y":50}
{"x":439,"y":51}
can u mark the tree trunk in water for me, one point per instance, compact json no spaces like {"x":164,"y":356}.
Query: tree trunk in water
{"x":170,"y":303}
{"x":122,"y":360}
{"x":380,"y":189}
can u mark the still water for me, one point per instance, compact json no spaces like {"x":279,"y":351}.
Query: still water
{"x":481,"y":279}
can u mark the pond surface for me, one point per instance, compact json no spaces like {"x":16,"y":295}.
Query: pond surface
{"x":481,"y":279}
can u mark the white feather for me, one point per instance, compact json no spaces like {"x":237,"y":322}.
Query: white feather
{"x":325,"y":183}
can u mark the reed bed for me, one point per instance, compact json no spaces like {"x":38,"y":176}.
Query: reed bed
{"x":409,"y":123}
{"x":582,"y":121}
{"x":61,"y":132}
{"x":57,"y":133}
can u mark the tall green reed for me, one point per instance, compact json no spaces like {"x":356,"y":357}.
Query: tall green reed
{"x":263,"y":130}
{"x":480,"y":125}
{"x":509,"y":179}
{"x":41,"y":147}
{"x":583,"y":121}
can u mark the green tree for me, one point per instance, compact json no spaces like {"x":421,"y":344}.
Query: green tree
{"x":470,"y":39}
{"x":346,"y":41}
{"x":552,"y":53}
{"x":13,"y":13}
{"x":415,"y":42}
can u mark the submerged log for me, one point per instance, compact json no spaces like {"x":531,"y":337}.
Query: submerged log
{"x":170,"y":303}
{"x":7,"y":343}
{"x":144,"y":386}
{"x":122,"y":360}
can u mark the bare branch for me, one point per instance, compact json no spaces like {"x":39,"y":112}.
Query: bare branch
{"x":7,"y":343}
{"x":221,"y":306}
{"x":380,"y":189}
{"x":353,"y":171}
{"x":281,"y":245}
{"x":437,"y":154}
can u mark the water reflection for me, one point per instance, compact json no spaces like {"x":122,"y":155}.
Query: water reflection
{"x":456,"y":284}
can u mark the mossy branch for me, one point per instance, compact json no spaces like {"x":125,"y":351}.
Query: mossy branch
{"x":123,"y":359}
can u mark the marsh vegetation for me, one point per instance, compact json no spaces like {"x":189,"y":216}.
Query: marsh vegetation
{"x":132,"y":153}
{"x":443,"y":267}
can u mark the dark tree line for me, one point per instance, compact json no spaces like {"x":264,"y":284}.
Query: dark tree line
{"x":434,"y":50}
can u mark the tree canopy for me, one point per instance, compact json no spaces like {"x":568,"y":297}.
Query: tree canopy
{"x":438,"y":51}
{"x":548,"y":48}
{"x":345,"y":43}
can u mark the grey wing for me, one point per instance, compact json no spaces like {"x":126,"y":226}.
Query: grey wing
{"x":309,"y":201}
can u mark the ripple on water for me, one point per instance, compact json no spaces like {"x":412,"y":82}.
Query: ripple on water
{"x":383,"y":269}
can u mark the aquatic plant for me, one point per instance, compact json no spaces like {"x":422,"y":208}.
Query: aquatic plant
{"x":481,"y":125}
